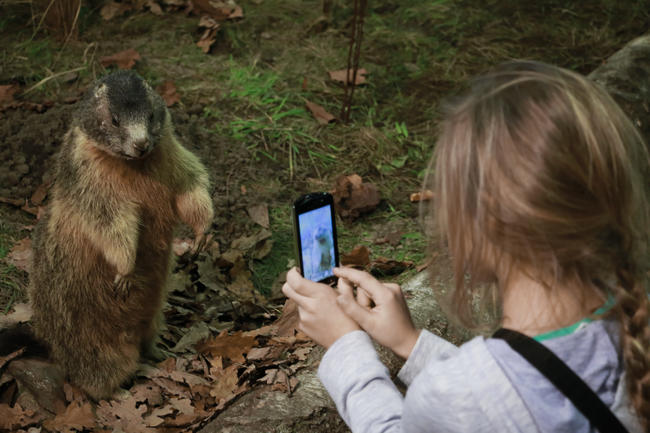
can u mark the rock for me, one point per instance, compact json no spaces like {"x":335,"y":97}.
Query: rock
{"x":626,"y":76}
{"x":263,"y":410}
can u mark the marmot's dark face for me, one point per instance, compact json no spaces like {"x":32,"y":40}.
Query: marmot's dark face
{"x":123,"y":115}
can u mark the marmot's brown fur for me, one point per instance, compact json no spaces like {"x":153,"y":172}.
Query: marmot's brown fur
{"x":102,"y":251}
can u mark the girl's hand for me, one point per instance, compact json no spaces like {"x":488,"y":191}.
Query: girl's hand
{"x":321,"y":318}
{"x":388,"y":322}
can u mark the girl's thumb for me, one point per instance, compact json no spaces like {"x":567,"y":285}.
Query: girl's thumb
{"x":356,"y":312}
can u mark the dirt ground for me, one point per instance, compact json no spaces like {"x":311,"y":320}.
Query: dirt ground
{"x":242,"y":105}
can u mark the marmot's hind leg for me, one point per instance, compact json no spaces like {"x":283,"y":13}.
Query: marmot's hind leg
{"x":101,"y":372}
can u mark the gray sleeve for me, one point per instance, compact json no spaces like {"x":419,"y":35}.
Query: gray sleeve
{"x":360,"y":385}
{"x":429,"y":347}
{"x":369,"y":402}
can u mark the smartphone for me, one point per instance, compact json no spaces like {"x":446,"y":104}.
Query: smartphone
{"x":315,"y":233}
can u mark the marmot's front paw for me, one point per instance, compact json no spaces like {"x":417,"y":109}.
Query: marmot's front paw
{"x":200,"y":242}
{"x":121,"y":286}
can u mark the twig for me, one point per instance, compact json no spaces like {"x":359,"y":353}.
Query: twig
{"x":354,"y":53}
{"x":46,"y":79}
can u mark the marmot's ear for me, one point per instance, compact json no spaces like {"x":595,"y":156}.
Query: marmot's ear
{"x":101,"y":91}
{"x":101,"y":104}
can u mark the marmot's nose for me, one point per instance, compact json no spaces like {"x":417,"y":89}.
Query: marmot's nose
{"x":141,"y":146}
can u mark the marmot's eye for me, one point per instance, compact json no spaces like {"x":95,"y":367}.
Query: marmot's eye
{"x":151,"y":117}
{"x":116,"y":121}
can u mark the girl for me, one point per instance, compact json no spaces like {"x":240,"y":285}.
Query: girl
{"x":541,"y":195}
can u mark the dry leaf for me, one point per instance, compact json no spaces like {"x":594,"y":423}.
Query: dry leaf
{"x":425,"y":195}
{"x":41,"y":192}
{"x":22,"y":313}
{"x":359,"y":257}
{"x":113,"y":9}
{"x":208,"y":38}
{"x":168,"y":92}
{"x":147,"y":393}
{"x":226,"y":384}
{"x":154,"y":419}
{"x":77,"y":416}
{"x":319,"y":113}
{"x":340,"y":76}
{"x":258,"y":353}
{"x":393,"y":238}
{"x":383,"y":266}
{"x":232,"y":346}
{"x":353,"y":197}
{"x":259,"y":213}
{"x":123,"y":60}
{"x":218,"y":10}
{"x":182,"y":405}
{"x":7,"y":93}
{"x":123,"y":415}
{"x":13,"y":418}
{"x":21,"y":255}
{"x":288,"y":322}
{"x":302,"y":353}
{"x":154,"y":7}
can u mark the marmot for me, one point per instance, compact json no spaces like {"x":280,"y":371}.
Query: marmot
{"x":102,"y":251}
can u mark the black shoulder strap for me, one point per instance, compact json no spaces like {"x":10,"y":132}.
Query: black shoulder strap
{"x":564,"y":379}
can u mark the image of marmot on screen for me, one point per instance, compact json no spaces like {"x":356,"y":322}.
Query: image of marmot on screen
{"x":323,"y":245}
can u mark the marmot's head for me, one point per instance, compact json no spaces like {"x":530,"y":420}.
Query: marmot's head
{"x":123,"y":115}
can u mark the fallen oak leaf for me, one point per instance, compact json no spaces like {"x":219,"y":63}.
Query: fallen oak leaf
{"x":302,"y":353}
{"x":21,"y":255}
{"x":340,"y":76}
{"x":123,"y":415}
{"x":113,"y":9}
{"x":22,"y":313}
{"x":358,"y":257}
{"x":154,"y":7}
{"x":353,"y":197}
{"x":40,"y":193}
{"x":182,"y":405}
{"x":258,"y":353}
{"x":168,"y":92}
{"x":154,"y":418}
{"x":226,"y":385}
{"x":77,"y":416}
{"x":14,"y":418}
{"x":232,"y":346}
{"x":319,"y":113}
{"x":425,"y":195}
{"x":259,"y":213}
{"x":287,"y":324}
{"x":124,"y":59}
{"x":147,"y":393}
{"x":382,"y":267}
{"x":7,"y":93}
{"x":218,"y":10}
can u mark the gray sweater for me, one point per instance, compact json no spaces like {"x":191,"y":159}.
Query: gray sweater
{"x":481,"y":386}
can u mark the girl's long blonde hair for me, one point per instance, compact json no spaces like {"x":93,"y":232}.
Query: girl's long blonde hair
{"x":537,"y":167}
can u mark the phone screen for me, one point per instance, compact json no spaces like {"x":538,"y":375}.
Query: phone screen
{"x":317,"y":243}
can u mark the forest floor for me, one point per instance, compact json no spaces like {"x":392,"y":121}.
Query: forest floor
{"x":242,"y":108}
